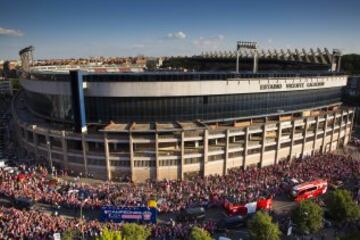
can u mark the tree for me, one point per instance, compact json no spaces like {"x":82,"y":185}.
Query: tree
{"x":308,"y":217}
{"x":133,"y":231}
{"x":70,"y":234}
{"x":199,"y":234}
{"x":352,"y":235}
{"x":261,"y":227}
{"x":341,"y":206}
{"x":107,"y":234}
{"x":6,"y":69}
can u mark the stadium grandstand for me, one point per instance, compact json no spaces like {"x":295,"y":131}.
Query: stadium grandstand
{"x":115,"y":123}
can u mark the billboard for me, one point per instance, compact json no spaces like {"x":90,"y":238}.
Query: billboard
{"x":128,"y":214}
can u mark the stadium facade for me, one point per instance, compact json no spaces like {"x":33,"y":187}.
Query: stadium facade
{"x":157,"y":125}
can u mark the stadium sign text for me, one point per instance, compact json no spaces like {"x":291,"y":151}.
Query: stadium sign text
{"x":271,"y":86}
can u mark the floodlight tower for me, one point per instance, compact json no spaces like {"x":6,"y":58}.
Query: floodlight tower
{"x":26,"y":57}
{"x":253,"y":48}
{"x":336,"y":60}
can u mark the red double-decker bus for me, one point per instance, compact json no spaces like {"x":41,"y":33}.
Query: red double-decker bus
{"x":309,"y":190}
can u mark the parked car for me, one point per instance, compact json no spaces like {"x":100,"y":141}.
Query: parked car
{"x":24,"y":203}
{"x":232,"y":222}
{"x":191,"y":214}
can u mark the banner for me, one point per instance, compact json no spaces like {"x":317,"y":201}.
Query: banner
{"x":128,"y":214}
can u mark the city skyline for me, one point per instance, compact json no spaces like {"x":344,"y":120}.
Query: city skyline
{"x":88,"y":28}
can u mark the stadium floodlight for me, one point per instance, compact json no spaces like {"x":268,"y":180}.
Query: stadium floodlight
{"x":26,"y":56}
{"x":247,"y":45}
{"x":336,"y":60}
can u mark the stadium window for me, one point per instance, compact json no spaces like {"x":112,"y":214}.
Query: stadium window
{"x":205,"y":99}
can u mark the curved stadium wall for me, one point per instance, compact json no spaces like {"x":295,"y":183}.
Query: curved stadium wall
{"x":174,"y":125}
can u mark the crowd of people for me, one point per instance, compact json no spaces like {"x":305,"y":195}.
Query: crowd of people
{"x":355,"y":142}
{"x":172,"y":196}
{"x":17,"y":224}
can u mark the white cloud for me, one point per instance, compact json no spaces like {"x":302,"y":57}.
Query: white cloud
{"x":176,"y":35}
{"x":10,"y":32}
{"x":210,"y":43}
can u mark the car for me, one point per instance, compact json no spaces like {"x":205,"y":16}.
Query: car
{"x":232,"y":222}
{"x":191,"y":214}
{"x":24,"y":203}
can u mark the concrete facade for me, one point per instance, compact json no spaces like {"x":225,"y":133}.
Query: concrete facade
{"x":188,"y":88}
{"x":177,"y":154}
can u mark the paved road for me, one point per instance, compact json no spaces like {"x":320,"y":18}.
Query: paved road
{"x":281,"y":205}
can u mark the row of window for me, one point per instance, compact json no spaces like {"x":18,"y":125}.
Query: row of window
{"x":176,"y":162}
{"x":149,"y":109}
{"x":163,"y":109}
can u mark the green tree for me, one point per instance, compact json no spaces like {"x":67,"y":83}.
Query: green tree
{"x":70,"y":234}
{"x":133,"y":231}
{"x":308,"y":217}
{"x":342,"y":207}
{"x":352,"y":235}
{"x":199,"y":234}
{"x":261,"y":227}
{"x":15,"y":83}
{"x":107,"y":234}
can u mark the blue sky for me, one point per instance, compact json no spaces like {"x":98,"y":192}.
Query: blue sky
{"x":61,"y":29}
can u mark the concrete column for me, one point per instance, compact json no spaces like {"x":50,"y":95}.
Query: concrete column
{"x":263,"y":145}
{"x":182,"y":159}
{"x":35,"y":142}
{"x":206,"y":150}
{"x":278,"y":143}
{"x":351,"y":124}
{"x":48,"y":145}
{"x":84,"y":151}
{"x":246,"y":146}
{"x":107,"y":157}
{"x":333,"y":132}
{"x":347,"y":120}
{"x":157,"y":165}
{"x":292,"y":139}
{"x":21,"y":143}
{"x":340,"y":128}
{"x":323,"y":147}
{"x":306,"y":126}
{"x":316,"y":132}
{"x":64,"y":150}
{"x":226,"y":160}
{"x":131,"y":156}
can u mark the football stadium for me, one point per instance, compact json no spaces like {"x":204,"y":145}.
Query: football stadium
{"x":172,"y":124}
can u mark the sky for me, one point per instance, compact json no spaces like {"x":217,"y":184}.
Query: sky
{"x":77,"y":28}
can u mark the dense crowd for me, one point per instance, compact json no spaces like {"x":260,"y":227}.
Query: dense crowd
{"x":17,"y":224}
{"x":172,"y":196}
{"x":355,"y":142}
{"x":241,"y":185}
